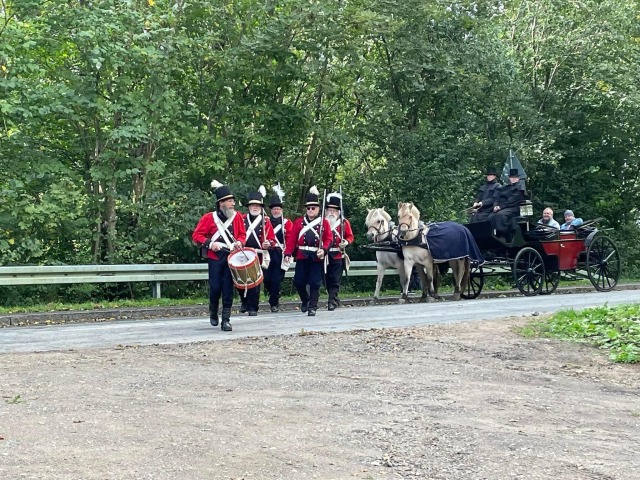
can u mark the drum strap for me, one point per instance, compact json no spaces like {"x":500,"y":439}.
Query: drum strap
{"x":223,"y":229}
{"x":251,"y":229}
{"x":310,"y":226}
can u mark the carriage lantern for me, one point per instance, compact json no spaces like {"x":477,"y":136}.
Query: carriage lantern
{"x":526,"y":209}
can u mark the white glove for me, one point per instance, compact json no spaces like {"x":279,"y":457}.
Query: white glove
{"x":343,"y":244}
{"x":320,"y":254}
{"x":216,"y":246}
{"x":237,"y":245}
{"x":266,"y":245}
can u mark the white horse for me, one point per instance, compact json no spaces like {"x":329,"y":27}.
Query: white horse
{"x":378,"y":223}
{"x":408,"y":230}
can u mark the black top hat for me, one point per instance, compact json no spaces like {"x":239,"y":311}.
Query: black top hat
{"x":491,"y":171}
{"x":223,"y":192}
{"x":513,"y":172}
{"x":255,"y":198}
{"x":276,"y":199}
{"x":334,"y":200}
{"x":312,"y":197}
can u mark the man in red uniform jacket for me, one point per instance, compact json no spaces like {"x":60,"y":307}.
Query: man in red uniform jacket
{"x":342,"y":236}
{"x":220,"y":233}
{"x":260,"y":237}
{"x":310,"y":239}
{"x":282,"y":226}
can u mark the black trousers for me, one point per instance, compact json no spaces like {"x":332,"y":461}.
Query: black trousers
{"x":334,"y":274}
{"x":308,"y":272}
{"x":501,"y":220}
{"x":220,"y":282}
{"x":273,"y":277}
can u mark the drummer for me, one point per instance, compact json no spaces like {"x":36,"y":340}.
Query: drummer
{"x":310,"y":239}
{"x":219,"y":233}
{"x":261,"y":238}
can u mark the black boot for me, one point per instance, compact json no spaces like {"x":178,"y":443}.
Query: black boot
{"x":304,"y":299}
{"x":332,"y":302}
{"x":226,"y":319}
{"x":213,"y":315}
{"x":314,"y":296}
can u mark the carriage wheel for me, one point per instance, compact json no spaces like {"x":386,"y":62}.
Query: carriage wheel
{"x":528,"y":271}
{"x":551,"y":280}
{"x":603,"y":263}
{"x":476,"y":282}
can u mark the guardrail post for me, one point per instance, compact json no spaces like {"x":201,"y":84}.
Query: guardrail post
{"x":155,"y":290}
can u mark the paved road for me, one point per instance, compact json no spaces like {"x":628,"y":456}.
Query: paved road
{"x":184,"y":330}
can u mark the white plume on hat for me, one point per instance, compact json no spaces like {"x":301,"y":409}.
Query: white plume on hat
{"x":215,"y":184}
{"x":262,"y":191}
{"x":314,"y":190}
{"x":279,"y":191}
{"x":335,"y":194}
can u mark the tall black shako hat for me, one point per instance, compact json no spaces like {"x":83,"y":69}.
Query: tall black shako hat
{"x":334,"y":200}
{"x":312,"y":197}
{"x":514,"y":172}
{"x":491,"y":171}
{"x":223,"y":192}
{"x":256,"y":198}
{"x":276,"y":199}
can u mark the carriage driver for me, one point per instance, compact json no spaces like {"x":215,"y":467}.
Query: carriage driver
{"x":220,"y":232}
{"x":483,"y":206}
{"x":342,"y":236}
{"x":310,"y":240}
{"x":506,"y":205}
{"x":260,"y":237}
{"x":282,"y":229}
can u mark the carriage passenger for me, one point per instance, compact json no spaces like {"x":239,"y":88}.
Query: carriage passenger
{"x":507,"y":205}
{"x":483,"y":205}
{"x":570,"y":221}
{"x":547,"y":219}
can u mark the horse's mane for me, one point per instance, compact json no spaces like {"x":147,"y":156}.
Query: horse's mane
{"x":409,"y":209}
{"x":375,"y":213}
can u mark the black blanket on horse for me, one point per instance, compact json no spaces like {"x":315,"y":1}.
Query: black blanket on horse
{"x":452,"y":241}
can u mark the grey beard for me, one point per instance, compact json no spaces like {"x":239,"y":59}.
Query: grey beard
{"x":333,"y":220}
{"x":228,"y":212}
{"x":276,"y":216}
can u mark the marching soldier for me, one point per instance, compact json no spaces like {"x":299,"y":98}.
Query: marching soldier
{"x":218,"y":233}
{"x":260,"y":237}
{"x":277,"y":268}
{"x":310,"y":239}
{"x":342,"y":236}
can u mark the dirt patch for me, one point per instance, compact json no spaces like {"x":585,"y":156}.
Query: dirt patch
{"x":465,"y":401}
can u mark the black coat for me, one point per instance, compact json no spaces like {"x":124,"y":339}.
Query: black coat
{"x":509,"y":196}
{"x":487,"y":193}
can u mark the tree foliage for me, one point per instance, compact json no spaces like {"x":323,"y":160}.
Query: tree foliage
{"x":116,"y":115}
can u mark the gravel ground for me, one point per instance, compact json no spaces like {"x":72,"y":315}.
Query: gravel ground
{"x":464,"y":401}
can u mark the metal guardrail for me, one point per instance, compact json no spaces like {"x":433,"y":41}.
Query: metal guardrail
{"x":152,"y":273}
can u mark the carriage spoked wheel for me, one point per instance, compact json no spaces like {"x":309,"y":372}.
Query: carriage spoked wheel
{"x":551,"y":281}
{"x":476,"y":282}
{"x":603,"y":263}
{"x":528,"y":271}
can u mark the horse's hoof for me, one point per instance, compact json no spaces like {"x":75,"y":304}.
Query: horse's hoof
{"x":456,"y":297}
{"x":402,"y":300}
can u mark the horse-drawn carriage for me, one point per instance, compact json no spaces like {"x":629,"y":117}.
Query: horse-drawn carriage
{"x":536,"y":256}
{"x":533,"y":256}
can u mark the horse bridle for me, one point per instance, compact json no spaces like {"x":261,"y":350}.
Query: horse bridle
{"x":378,"y":231}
